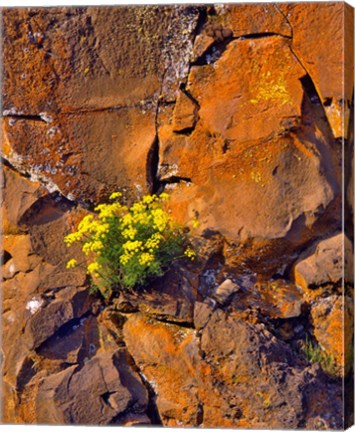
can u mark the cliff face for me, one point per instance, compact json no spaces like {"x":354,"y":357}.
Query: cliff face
{"x":237,"y":112}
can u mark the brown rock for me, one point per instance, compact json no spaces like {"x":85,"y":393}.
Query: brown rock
{"x":18,"y":195}
{"x":165,"y":354}
{"x":330,"y":317}
{"x":202,"y":313}
{"x":70,"y":303}
{"x":309,"y":22}
{"x":96,"y":394}
{"x":120,"y":159}
{"x":252,"y":19}
{"x":91,"y":121}
{"x":280,"y":299}
{"x":78,"y":343}
{"x":201,"y":44}
{"x":277,"y":299}
{"x":22,"y":257}
{"x":225,"y":290}
{"x":274,"y":89}
{"x":323,"y":266}
{"x":185,"y":113}
{"x":247,"y":162}
{"x":237,"y":354}
{"x":9,"y":401}
{"x":170,"y":297}
{"x":39,"y":45}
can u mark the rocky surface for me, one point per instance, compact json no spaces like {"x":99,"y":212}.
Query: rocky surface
{"x":233,"y":110}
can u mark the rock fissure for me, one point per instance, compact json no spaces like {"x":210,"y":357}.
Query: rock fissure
{"x":260,"y":36}
{"x":152,"y":409}
{"x":32,"y":117}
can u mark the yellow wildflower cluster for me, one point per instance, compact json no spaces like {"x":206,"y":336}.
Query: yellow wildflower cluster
{"x":94,"y":269}
{"x":126,"y":246}
{"x":190,"y":253}
{"x":146,"y":259}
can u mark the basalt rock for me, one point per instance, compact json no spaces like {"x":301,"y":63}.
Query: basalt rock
{"x":323,"y":266}
{"x":96,"y":394}
{"x":234,"y":111}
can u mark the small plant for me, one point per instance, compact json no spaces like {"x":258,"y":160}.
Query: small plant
{"x":315,"y":354}
{"x":128,"y":246}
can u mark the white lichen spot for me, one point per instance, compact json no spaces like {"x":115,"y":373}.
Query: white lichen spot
{"x":171,"y":186}
{"x":11,"y":111}
{"x":33,"y":305}
{"x":12,"y":269}
{"x":52,"y":131}
{"x":46,"y":117}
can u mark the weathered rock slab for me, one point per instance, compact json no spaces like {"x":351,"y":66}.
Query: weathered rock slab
{"x":96,"y":394}
{"x":323,"y":266}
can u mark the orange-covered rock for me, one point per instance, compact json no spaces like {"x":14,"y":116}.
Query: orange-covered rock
{"x":251,"y":19}
{"x":332,"y":318}
{"x":85,"y":156}
{"x":19,"y":194}
{"x":311,"y":23}
{"x":81,"y":93}
{"x":166,"y":355}
{"x":249,"y":149}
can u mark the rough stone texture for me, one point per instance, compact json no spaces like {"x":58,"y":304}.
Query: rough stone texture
{"x":251,"y":19}
{"x":79,"y":98}
{"x":331,"y":316}
{"x":185,"y":113}
{"x":275,"y":400}
{"x":26,"y":192}
{"x":69,"y":304}
{"x":103,"y":389}
{"x":308,"y":22}
{"x":323,"y":266}
{"x":224,"y":291}
{"x":249,"y":159}
{"x":166,"y":354}
{"x":232,"y":109}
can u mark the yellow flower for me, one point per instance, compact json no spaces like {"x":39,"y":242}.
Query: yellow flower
{"x":164,"y":196}
{"x":115,"y":195}
{"x":160,"y":219}
{"x":71,"y":264}
{"x":137,"y":207}
{"x":195,"y":223}
{"x":132,"y":246}
{"x":146,"y":259}
{"x":148,"y":199}
{"x":125,"y":258}
{"x":94,"y":267}
{"x":190,"y":253}
{"x":72,"y":238}
{"x":129,"y":233}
